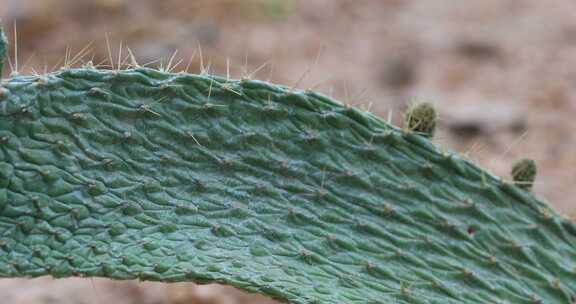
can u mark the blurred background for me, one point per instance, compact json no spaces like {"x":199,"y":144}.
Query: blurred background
{"x":501,"y":72}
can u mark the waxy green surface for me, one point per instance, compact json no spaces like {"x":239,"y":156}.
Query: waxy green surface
{"x":140,"y":174}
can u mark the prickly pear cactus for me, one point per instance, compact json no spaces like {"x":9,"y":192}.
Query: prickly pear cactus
{"x":141,"y":174}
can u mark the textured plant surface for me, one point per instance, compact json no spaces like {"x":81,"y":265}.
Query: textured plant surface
{"x":177,"y":177}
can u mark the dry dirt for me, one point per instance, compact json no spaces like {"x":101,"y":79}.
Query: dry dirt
{"x":502,"y":72}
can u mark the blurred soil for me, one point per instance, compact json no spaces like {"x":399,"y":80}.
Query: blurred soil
{"x":502,"y":72}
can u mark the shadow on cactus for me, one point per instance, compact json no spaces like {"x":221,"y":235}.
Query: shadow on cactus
{"x":142,"y":174}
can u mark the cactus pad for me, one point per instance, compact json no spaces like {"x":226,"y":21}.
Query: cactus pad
{"x":141,"y":174}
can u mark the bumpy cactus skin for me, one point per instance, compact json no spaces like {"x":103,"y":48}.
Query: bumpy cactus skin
{"x":140,"y":174}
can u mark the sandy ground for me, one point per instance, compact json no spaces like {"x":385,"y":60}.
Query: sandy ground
{"x":502,"y":72}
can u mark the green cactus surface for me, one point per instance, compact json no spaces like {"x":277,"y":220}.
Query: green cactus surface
{"x":142,"y":174}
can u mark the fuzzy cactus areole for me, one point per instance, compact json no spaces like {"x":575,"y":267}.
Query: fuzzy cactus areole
{"x":421,"y":118}
{"x":143,"y":174}
{"x":524,"y":173}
